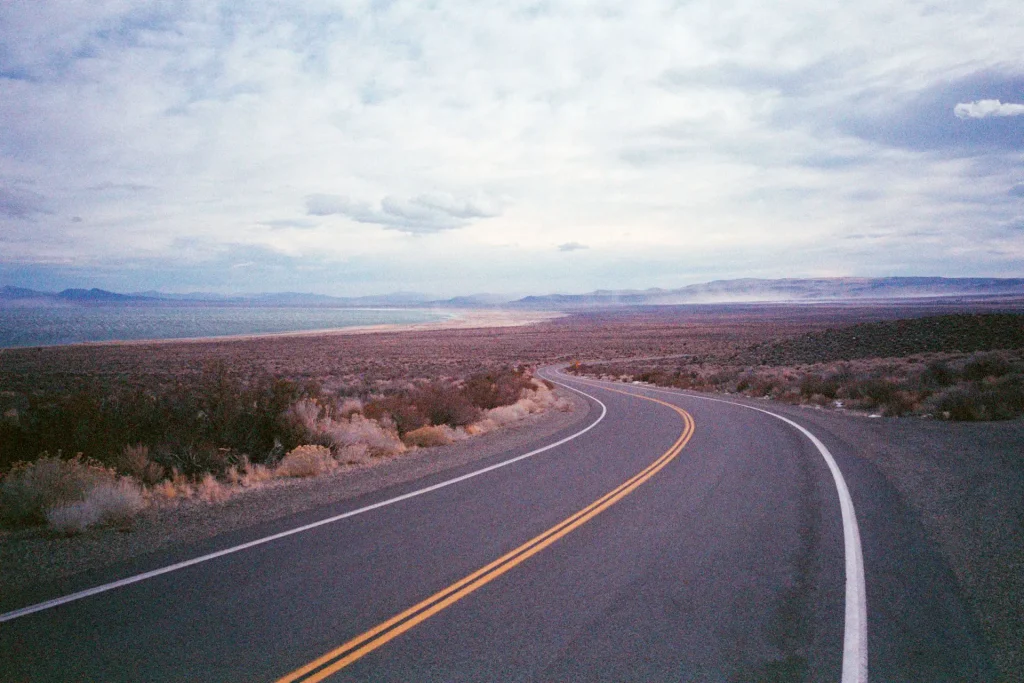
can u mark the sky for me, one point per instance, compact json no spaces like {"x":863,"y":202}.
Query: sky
{"x":354,"y":148}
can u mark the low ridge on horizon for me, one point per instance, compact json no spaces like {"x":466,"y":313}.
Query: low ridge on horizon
{"x":740,"y":290}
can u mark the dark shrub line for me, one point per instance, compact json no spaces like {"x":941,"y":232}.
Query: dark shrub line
{"x":207,"y":422}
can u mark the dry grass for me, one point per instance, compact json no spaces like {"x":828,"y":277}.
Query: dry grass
{"x":306,"y":461}
{"x":431,"y":435}
{"x":209,"y":490}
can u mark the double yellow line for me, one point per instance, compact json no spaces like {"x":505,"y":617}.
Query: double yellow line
{"x":342,"y":656}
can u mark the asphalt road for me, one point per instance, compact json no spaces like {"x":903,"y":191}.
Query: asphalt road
{"x":719,"y":555}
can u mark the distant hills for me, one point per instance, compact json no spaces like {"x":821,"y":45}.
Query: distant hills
{"x":748,"y":290}
{"x":808,"y":290}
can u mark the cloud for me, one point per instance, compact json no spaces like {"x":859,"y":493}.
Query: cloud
{"x":283,"y":223}
{"x":920,"y":120}
{"x":572,"y":246}
{"x":708,"y":131}
{"x":1017,"y":190}
{"x":982,"y":109}
{"x":22,"y":203}
{"x":422,"y":214}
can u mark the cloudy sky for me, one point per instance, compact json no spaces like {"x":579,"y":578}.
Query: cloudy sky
{"x":461,"y":146}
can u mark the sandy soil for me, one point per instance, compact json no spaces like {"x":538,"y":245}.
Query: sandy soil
{"x":458,"y":319}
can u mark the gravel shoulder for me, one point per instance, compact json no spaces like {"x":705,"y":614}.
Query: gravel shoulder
{"x":32,"y":558}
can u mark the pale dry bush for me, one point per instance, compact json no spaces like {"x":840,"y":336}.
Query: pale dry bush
{"x":30,"y":490}
{"x":350,"y":406}
{"x":431,"y":435}
{"x":306,"y":413}
{"x":357,"y":429}
{"x":111,"y":503}
{"x":535,"y":400}
{"x":306,"y":461}
{"x":353,"y":454}
{"x":72,"y":519}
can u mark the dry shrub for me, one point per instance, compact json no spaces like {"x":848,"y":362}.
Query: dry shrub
{"x":112,"y":503}
{"x":29,"y":490}
{"x":353,"y":454}
{"x":304,"y":414}
{"x":350,"y":406}
{"x":72,"y":519}
{"x":165,"y":489}
{"x":537,"y":400}
{"x":507,"y":414}
{"x":254,"y":474}
{"x":306,"y":461}
{"x":211,"y":491}
{"x":431,"y":435}
{"x":361,"y":430}
{"x":233,"y":476}
{"x":135,"y":462}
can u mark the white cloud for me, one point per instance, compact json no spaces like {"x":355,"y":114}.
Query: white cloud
{"x":982,"y":109}
{"x":572,"y":246}
{"x":418,"y":215}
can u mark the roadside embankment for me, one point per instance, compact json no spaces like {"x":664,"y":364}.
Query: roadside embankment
{"x":34,"y":556}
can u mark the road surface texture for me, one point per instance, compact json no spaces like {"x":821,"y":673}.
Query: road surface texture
{"x":698,"y":543}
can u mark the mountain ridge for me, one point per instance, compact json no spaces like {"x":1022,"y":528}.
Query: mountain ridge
{"x":742,"y":290}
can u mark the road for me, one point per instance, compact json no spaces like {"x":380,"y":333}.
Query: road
{"x":676,"y":539}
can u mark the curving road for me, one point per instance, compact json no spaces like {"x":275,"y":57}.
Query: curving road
{"x":675,"y":538}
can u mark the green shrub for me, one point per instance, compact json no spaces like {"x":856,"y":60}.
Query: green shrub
{"x":938,"y":374}
{"x":499,"y":388}
{"x":135,"y":462}
{"x":811,"y":385}
{"x":184,"y":424}
{"x":445,"y":404}
{"x":1000,"y":401}
{"x":985,"y":365}
{"x":399,"y":409}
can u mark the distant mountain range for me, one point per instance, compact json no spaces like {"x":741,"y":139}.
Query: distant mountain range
{"x":788,"y":290}
{"x":721,"y":291}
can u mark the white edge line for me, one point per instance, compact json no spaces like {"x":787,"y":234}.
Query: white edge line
{"x":71,"y":597}
{"x":855,"y":631}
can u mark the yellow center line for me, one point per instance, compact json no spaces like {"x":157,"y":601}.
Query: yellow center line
{"x":340,"y":657}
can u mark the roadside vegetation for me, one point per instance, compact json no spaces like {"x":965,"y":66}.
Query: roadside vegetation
{"x":955,"y":367}
{"x":985,"y":386}
{"x":97,"y":454}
